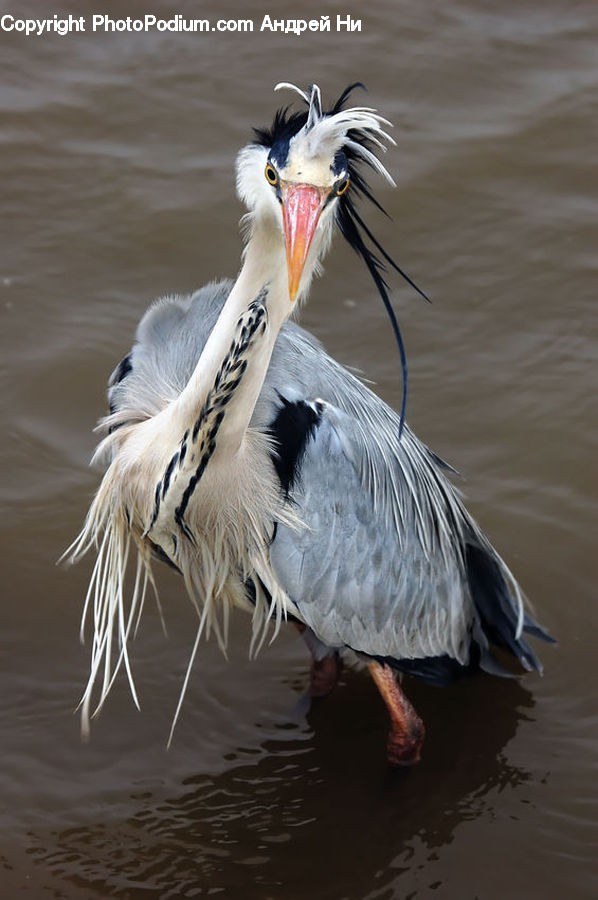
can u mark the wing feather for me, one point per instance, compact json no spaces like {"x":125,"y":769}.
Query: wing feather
{"x":384,"y":564}
{"x":363,"y":583}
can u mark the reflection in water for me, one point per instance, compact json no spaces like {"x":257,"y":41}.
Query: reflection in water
{"x":322,"y":809}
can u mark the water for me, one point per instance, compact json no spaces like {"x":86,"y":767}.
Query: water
{"x":116,"y":156}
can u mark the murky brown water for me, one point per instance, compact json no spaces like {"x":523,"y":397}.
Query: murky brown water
{"x":116,"y":161}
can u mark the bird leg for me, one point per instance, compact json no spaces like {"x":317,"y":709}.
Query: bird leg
{"x":407,"y":730}
{"x":326,"y":664}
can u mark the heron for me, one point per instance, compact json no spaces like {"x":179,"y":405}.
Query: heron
{"x":240,"y":453}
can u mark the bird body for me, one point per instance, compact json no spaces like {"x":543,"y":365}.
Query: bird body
{"x":269,"y":475}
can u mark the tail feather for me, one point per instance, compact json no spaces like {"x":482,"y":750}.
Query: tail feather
{"x":500,"y":619}
{"x":530,"y":626}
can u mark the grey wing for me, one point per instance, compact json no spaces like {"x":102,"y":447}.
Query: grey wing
{"x":390,"y":563}
{"x":357,"y":579}
{"x":169,"y":341}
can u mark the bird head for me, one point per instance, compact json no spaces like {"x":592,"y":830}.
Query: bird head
{"x":300,"y":175}
{"x":303,"y":176}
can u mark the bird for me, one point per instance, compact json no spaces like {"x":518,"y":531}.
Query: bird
{"x":272,"y":478}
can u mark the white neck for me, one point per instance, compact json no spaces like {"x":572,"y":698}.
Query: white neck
{"x":264,"y":266}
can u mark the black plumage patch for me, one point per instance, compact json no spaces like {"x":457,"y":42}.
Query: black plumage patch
{"x":122,"y":370}
{"x":277,"y":137}
{"x":497,"y":610}
{"x":293,"y":426}
{"x":437,"y":670}
{"x":120,"y":373}
{"x":159,"y":553}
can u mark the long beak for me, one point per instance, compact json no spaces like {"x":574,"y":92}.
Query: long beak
{"x":302,"y":205}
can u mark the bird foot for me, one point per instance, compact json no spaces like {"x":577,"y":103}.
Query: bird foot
{"x":404,"y":749}
{"x":324,"y":675}
{"x":407,"y":730}
{"x":406,"y":735}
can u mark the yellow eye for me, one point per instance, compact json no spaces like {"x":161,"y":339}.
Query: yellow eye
{"x":343,"y":187}
{"x":271,"y":174}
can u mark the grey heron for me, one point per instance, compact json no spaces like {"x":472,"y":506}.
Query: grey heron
{"x":271,"y":478}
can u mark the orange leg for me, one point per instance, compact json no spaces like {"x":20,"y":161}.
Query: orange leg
{"x":407,"y":730}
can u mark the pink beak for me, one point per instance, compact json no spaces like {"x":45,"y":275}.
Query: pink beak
{"x":302,"y":206}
